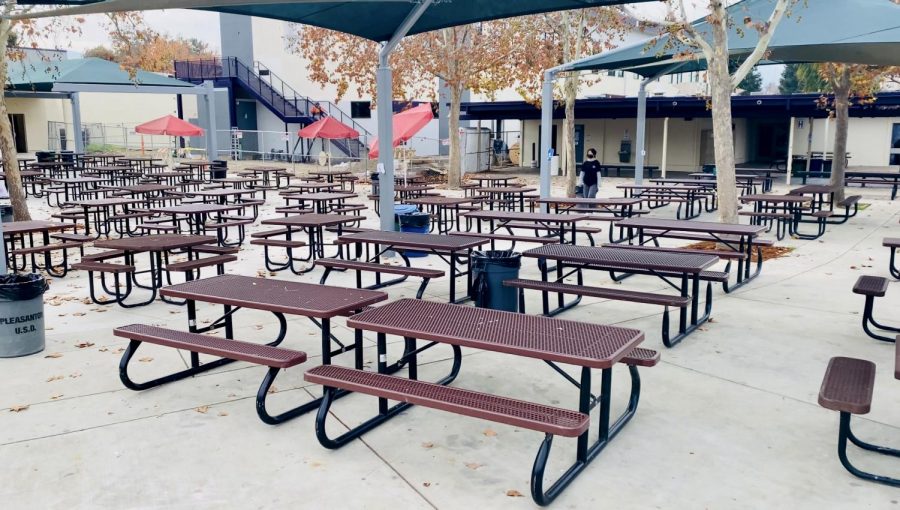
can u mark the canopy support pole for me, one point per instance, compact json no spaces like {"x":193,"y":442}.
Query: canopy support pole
{"x":665,"y":148}
{"x":76,"y":123}
{"x":641,"y":131}
{"x":545,"y":154}
{"x":384,"y":110}
{"x":211,"y":135}
{"x":790,"y":152}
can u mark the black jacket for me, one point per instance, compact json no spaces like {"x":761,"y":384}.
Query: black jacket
{"x":591,"y":171}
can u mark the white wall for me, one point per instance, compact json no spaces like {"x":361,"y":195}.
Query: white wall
{"x":868,"y":139}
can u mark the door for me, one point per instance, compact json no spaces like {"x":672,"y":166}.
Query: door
{"x":17,"y":120}
{"x":246,"y":121}
{"x":579,"y":143}
{"x":707,"y":148}
{"x":536,"y":146}
{"x":895,"y":145}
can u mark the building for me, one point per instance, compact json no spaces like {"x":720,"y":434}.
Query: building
{"x":679,"y":129}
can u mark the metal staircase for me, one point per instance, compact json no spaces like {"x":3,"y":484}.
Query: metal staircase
{"x":270,"y":90}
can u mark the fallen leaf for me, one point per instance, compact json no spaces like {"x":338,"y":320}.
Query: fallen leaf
{"x":426,"y":484}
{"x":514,"y":494}
{"x":258,"y":327}
{"x":55,"y":378}
{"x":473,"y":465}
{"x":272,"y":389}
{"x":223,"y":413}
{"x":103,"y":349}
{"x":145,"y":359}
{"x":79,"y":314}
{"x":73,"y":375}
{"x":54,"y":355}
{"x":84,"y":345}
{"x":202,"y":409}
{"x":54,"y":397}
{"x":489,"y":432}
{"x":18,"y":408}
{"x":427,"y":445}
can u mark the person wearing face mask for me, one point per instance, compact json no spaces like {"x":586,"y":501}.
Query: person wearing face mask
{"x":590,"y":174}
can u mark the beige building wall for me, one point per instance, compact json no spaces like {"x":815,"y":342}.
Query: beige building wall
{"x":868,"y":140}
{"x":37,"y":113}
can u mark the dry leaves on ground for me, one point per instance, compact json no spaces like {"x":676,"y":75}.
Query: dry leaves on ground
{"x":514,"y":494}
{"x":202,"y":409}
{"x":54,"y":355}
{"x":473,"y":465}
{"x":18,"y":408}
{"x":145,"y":359}
{"x":427,"y":445}
{"x":489,"y":432}
{"x":84,"y":344}
{"x":55,"y":378}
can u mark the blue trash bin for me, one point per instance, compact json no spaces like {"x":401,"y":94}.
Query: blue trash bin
{"x":417,"y":222}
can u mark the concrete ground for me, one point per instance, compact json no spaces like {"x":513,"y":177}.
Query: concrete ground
{"x":728,"y":419}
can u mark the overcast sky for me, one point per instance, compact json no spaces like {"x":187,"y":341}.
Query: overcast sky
{"x":205,"y":26}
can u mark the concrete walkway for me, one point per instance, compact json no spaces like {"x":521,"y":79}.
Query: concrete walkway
{"x":728,"y":419}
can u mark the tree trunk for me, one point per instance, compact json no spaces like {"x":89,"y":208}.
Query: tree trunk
{"x":7,"y":145}
{"x":454,"y":172}
{"x":841,"y":125}
{"x":720,"y":94}
{"x":571,"y":91}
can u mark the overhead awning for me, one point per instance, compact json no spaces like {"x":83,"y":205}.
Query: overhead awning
{"x":852,"y":31}
{"x":40,"y":75}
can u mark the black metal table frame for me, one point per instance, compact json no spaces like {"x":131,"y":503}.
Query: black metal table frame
{"x":587,"y":401}
{"x":547,"y":225}
{"x":315,"y":248}
{"x":48,"y":259}
{"x":688,"y":195}
{"x":451,"y":257}
{"x":624,"y":211}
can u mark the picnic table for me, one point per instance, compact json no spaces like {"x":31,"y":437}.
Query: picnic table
{"x":411,"y":191}
{"x":443,"y":209}
{"x":606,"y":168}
{"x":314,"y":225}
{"x":266,"y":173}
{"x":19,"y":237}
{"x":322,"y":202}
{"x":453,"y":250}
{"x":508,"y":198}
{"x":319,"y":303}
{"x":329,"y":175}
{"x":684,"y":268}
{"x":158,"y":247}
{"x":554,"y":341}
{"x":196,"y":214}
{"x":604,"y":209}
{"x":236,"y":182}
{"x":746,"y":185}
{"x":100,"y":212}
{"x":740,"y":239}
{"x":765,"y":172}
{"x":221,"y":196}
{"x":55,"y":168}
{"x":312,"y":187}
{"x":656,"y":196}
{"x":178,"y":178}
{"x":784,"y":211}
{"x":141,"y":163}
{"x":554,"y":224}
{"x":71,"y":188}
{"x":491,"y":180}
{"x":29,"y":177}
{"x":891,"y":179}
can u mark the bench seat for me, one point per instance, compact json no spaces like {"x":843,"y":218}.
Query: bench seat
{"x":278,"y":243}
{"x":871,"y":286}
{"x":103,"y":267}
{"x":601,"y":292}
{"x":517,"y":413}
{"x":192,"y":265}
{"x":723,"y":254}
{"x":271,"y":233}
{"x":216,"y":250}
{"x":104,"y":255}
{"x":850,"y":201}
{"x":848,"y":385}
{"x":508,"y":237}
{"x":891,"y":242}
{"x":44,"y":248}
{"x":380,"y":268}
{"x":756,"y":241}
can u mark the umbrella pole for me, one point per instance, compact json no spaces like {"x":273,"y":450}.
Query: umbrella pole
{"x":142,"y":145}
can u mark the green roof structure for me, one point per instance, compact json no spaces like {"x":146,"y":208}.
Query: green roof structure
{"x":41,"y":74}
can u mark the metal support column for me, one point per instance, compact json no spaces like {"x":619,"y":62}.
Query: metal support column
{"x":790,"y":152}
{"x":640,"y":136}
{"x":546,"y":152}
{"x":384,"y":87}
{"x":76,"y":123}
{"x":665,"y":148}
{"x":211,"y":135}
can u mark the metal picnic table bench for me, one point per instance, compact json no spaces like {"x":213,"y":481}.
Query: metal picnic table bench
{"x":687,"y":197}
{"x":553,"y":341}
{"x":453,"y":250}
{"x":313,"y":224}
{"x":781,"y":211}
{"x":603,"y":209}
{"x":317,"y":302}
{"x":446,"y":210}
{"x":890,"y":179}
{"x":20,"y":242}
{"x":738,"y":241}
{"x":555,"y":225}
{"x":684,"y":267}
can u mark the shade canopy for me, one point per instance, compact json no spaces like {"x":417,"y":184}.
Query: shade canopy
{"x":851,"y":31}
{"x":169,"y":126}
{"x":377,"y":20}
{"x":406,"y":124}
{"x":329,"y":128}
{"x":41,"y":73}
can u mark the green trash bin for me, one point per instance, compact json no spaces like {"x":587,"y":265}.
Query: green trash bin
{"x":489,"y":270}
{"x":21,"y":314}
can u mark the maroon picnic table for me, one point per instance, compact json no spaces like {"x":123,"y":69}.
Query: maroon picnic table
{"x":451,"y":249}
{"x":73,"y":187}
{"x":221,"y":195}
{"x":606,"y":209}
{"x":687,"y":197}
{"x":554,"y":341}
{"x":196,"y":214}
{"x":267,"y":171}
{"x":445,"y":209}
{"x":491,"y":180}
{"x":737,"y":238}
{"x":102,"y":210}
{"x":236,"y":182}
{"x":784,"y":211}
{"x":319,"y":303}
{"x":323,"y":202}
{"x":557,"y":224}
{"x":329,"y":175}
{"x":506,"y":197}
{"x":20,"y":235}
{"x":683,"y":267}
{"x":311,"y":187}
{"x":314,"y":225}
{"x":157,"y":247}
{"x":32,"y":177}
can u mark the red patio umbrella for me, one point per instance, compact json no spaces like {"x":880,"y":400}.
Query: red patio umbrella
{"x":406,"y":124}
{"x":328,"y":128}
{"x":169,"y":126}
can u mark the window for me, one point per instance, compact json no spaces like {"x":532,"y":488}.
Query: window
{"x":610,"y":73}
{"x":361,"y":109}
{"x":895,"y":145}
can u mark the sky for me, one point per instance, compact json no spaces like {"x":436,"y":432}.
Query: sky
{"x":205,"y":26}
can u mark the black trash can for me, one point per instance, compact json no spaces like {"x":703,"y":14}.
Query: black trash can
{"x":489,"y":270}
{"x":6,"y":213}
{"x":417,"y":222}
{"x":218,"y":169}
{"x":21,"y":314}
{"x":45,"y":157}
{"x":67,"y":156}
